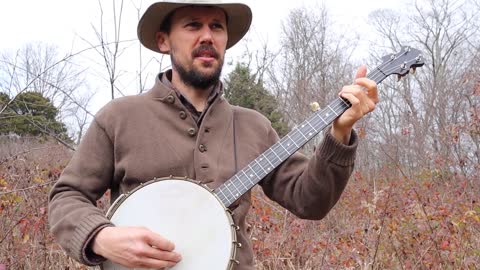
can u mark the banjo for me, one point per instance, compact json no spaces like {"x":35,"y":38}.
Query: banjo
{"x":205,"y":234}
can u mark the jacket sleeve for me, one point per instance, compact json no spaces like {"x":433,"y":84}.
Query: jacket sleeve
{"x":73,"y":216}
{"x":309,"y":188}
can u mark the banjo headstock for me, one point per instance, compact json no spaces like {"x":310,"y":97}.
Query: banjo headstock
{"x":400,"y":63}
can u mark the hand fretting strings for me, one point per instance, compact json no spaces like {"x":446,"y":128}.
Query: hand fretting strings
{"x":256,"y":170}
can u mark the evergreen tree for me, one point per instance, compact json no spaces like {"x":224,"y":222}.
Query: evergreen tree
{"x":30,"y":114}
{"x":243,"y":89}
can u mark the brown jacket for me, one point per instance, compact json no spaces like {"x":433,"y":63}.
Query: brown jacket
{"x":135,"y":139}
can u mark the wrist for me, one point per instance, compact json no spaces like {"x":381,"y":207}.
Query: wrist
{"x":95,"y":244}
{"x":342,"y":134}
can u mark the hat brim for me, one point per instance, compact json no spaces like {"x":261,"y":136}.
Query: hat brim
{"x":239,"y":20}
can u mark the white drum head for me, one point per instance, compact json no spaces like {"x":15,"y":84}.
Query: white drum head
{"x":188,"y":215}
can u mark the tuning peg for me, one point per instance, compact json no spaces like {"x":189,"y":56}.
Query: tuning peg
{"x":413,"y":70}
{"x":314,"y":106}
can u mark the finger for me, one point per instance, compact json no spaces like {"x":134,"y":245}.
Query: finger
{"x":362,"y":106}
{"x":155,"y":264}
{"x":162,"y":255}
{"x":361,"y":72}
{"x":159,"y":242}
{"x":357,"y":96}
{"x":370,"y":86}
{"x":370,"y":105}
{"x":356,"y":90}
{"x":366,"y":83}
{"x":351,"y":98}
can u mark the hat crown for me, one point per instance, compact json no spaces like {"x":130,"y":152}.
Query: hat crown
{"x":239,"y":19}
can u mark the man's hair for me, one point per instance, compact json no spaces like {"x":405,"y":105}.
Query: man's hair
{"x":167,"y":23}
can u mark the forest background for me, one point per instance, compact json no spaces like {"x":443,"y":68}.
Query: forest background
{"x":413,"y":200}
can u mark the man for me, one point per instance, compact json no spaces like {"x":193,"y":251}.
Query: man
{"x":184,"y":127}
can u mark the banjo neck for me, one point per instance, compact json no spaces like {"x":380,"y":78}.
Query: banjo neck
{"x":245,"y":179}
{"x":256,"y":170}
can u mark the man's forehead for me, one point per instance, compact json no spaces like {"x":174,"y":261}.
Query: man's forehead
{"x":192,"y":12}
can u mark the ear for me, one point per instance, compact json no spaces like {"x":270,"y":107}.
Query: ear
{"x":163,"y":43}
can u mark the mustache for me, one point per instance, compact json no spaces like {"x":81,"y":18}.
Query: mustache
{"x":205,"y":48}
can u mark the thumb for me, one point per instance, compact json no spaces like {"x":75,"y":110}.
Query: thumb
{"x":361,"y":72}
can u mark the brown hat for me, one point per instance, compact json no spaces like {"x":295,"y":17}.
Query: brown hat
{"x":239,"y":19}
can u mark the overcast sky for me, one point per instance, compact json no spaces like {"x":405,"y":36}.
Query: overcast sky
{"x":59,"y":21}
{"x":65,"y":22}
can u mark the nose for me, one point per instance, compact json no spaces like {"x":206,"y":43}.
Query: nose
{"x":206,"y":36}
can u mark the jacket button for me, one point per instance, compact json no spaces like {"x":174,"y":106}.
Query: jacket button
{"x":170,"y":99}
{"x":192,"y":132}
{"x":202,"y":148}
{"x":183,"y":115}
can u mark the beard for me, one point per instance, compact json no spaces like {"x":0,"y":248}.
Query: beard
{"x":194,"y":77}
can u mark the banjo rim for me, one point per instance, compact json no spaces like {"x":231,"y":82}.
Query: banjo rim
{"x":233,"y":227}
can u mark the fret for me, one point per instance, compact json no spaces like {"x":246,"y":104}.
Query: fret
{"x":326,"y":123}
{"x":260,"y":165}
{"x":240,"y":179}
{"x":275,"y":154}
{"x":228,"y":189}
{"x":284,"y":149}
{"x":293,"y":141}
{"x":249,"y":166}
{"x":312,"y":127}
{"x":231,"y":184}
{"x":332,"y":110}
{"x":221,"y":195}
{"x":301,"y":133}
{"x":249,"y":174}
{"x":248,"y":178}
{"x":230,"y":200}
{"x":345,"y":102}
{"x":268,"y":162}
{"x":275,"y":149}
{"x":294,"y":138}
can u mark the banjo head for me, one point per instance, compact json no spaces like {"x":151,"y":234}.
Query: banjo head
{"x":184,"y":212}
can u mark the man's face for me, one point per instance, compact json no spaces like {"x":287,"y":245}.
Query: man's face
{"x":196,"y":43}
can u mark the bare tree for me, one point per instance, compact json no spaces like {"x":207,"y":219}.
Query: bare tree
{"x":258,"y":58}
{"x":36,"y":67}
{"x":39,"y":68}
{"x":419,"y":119}
{"x":79,"y":117}
{"x":112,"y":45}
{"x":110,"y":49}
{"x":142,"y":77}
{"x":312,"y":65}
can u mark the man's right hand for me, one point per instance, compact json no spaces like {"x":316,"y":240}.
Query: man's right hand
{"x":135,"y":247}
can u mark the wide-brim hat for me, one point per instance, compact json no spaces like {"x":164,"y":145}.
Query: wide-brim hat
{"x":239,"y":18}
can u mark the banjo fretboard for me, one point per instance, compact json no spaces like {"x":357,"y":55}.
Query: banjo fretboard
{"x":256,"y":170}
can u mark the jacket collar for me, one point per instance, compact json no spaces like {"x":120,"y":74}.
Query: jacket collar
{"x":161,"y":90}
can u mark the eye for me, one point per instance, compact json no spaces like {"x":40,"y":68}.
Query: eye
{"x":194,"y":25}
{"x":217,"y":26}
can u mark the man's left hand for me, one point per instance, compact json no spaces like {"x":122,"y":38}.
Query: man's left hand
{"x":363,"y":96}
